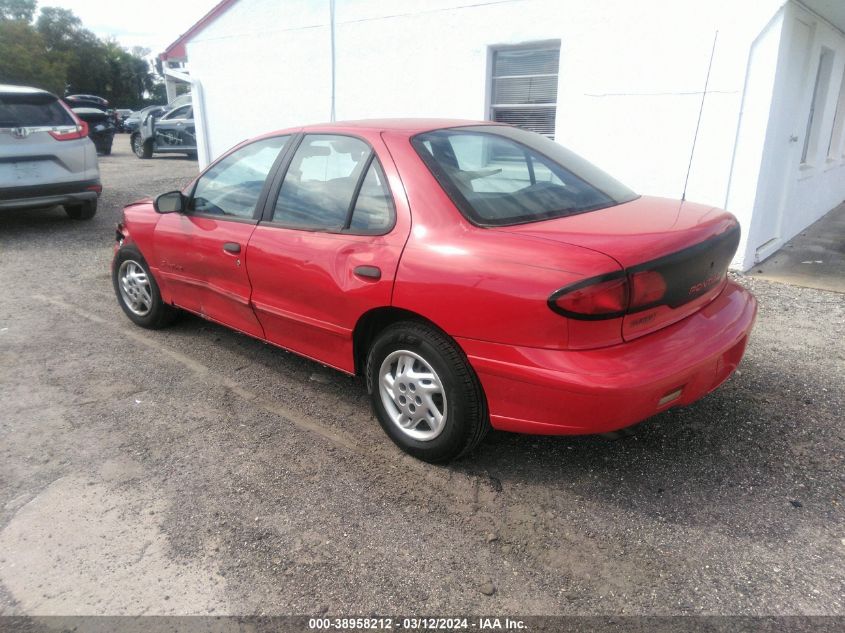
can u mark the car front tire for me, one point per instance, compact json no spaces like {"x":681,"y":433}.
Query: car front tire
{"x":83,"y":211}
{"x":142,"y":149}
{"x":424,"y":393}
{"x":137,"y":291}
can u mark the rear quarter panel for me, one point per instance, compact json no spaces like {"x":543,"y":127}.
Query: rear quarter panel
{"x":482,"y":284}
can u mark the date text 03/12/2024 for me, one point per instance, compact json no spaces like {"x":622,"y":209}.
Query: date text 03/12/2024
{"x":418,"y":624}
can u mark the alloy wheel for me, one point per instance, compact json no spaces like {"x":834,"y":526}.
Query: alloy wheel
{"x":135,"y":288}
{"x":413,"y":395}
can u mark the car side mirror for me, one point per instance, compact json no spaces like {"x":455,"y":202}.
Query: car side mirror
{"x":170,"y":202}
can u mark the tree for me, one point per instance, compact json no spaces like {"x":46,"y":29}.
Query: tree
{"x":19,"y":10}
{"x":24,"y":59}
{"x":61,"y":28}
{"x":61,"y":55}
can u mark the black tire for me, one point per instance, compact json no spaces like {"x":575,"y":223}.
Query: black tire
{"x":466,"y":421}
{"x":142,"y":149}
{"x":82,"y":211}
{"x":160,"y":314}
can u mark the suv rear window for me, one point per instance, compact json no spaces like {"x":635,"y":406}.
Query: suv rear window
{"x":499,"y":176}
{"x":30,"y":110}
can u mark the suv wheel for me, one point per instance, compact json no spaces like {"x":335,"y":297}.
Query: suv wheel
{"x":84,"y":211}
{"x":142,"y":149}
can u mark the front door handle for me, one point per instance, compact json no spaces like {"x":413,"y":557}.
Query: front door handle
{"x":368,"y":272}
{"x":232,"y":247}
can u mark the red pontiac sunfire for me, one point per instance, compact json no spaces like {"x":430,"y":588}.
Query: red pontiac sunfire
{"x":478,"y":275}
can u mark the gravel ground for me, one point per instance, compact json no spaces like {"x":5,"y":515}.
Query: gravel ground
{"x":195,"y":470}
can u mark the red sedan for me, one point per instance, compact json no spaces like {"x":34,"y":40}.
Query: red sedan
{"x":478,"y":275}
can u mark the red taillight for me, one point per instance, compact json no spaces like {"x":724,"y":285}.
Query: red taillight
{"x":599,"y":298}
{"x":80,"y":130}
{"x":610,"y":296}
{"x":647,"y":288}
{"x":70,"y":133}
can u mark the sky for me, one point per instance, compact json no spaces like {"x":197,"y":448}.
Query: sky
{"x":153,"y":24}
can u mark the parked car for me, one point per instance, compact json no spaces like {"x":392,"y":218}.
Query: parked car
{"x":122,"y":115}
{"x":179,"y":101}
{"x":87,"y":101}
{"x":476,"y":274}
{"x":46,"y":157}
{"x":101,"y":128}
{"x":133,"y":121}
{"x":173,"y":133}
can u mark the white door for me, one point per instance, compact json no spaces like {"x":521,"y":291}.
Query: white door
{"x":798,"y":78}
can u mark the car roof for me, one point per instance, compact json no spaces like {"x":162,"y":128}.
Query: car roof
{"x":23,"y":90}
{"x":413,"y":125}
{"x":408,"y":126}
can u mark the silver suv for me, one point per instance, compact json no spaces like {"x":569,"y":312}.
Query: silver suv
{"x":46,"y":157}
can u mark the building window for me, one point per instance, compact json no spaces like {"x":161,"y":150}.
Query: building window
{"x":523,"y":87}
{"x":834,"y":147}
{"x":814,"y":120}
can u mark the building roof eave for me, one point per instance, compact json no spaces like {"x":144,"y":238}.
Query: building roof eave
{"x":177,"y":50}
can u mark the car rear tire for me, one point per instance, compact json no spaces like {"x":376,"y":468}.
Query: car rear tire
{"x":82,"y":211}
{"x":142,"y":149}
{"x":424,"y":393}
{"x":137,"y":291}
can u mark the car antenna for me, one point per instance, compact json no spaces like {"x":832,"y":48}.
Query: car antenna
{"x":700,"y":112}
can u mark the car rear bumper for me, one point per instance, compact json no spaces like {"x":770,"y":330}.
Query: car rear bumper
{"x":558,"y":392}
{"x":31,"y":197}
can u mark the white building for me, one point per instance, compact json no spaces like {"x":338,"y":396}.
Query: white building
{"x":619,"y":81}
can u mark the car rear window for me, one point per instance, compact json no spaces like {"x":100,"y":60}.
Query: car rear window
{"x":30,"y":110}
{"x":499,"y":176}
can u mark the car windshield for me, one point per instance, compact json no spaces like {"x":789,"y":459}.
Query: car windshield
{"x":31,"y":110}
{"x":499,"y":176}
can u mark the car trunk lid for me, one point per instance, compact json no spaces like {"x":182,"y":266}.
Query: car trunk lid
{"x":675,"y":254}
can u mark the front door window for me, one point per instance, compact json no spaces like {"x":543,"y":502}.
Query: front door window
{"x":232,"y":186}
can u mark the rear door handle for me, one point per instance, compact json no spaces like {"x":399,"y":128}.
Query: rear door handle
{"x":232,"y":247}
{"x":368,"y":272}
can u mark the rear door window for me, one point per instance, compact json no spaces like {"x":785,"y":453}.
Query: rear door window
{"x":334,"y":183}
{"x":32,"y":110}
{"x":178,"y":113}
{"x":373,"y":210}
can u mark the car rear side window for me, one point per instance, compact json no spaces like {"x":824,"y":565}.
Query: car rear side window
{"x":232,"y":186}
{"x":500,"y":176}
{"x":178,"y":113}
{"x":373,"y":210}
{"x":32,"y":110}
{"x":334,"y":183}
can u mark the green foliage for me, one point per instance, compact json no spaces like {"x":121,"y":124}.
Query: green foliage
{"x":23,"y":58}
{"x":22,"y":10}
{"x":59,"y":54}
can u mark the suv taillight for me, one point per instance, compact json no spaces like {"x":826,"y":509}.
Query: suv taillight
{"x":70,"y":133}
{"x":609,"y":296}
{"x":80,"y":130}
